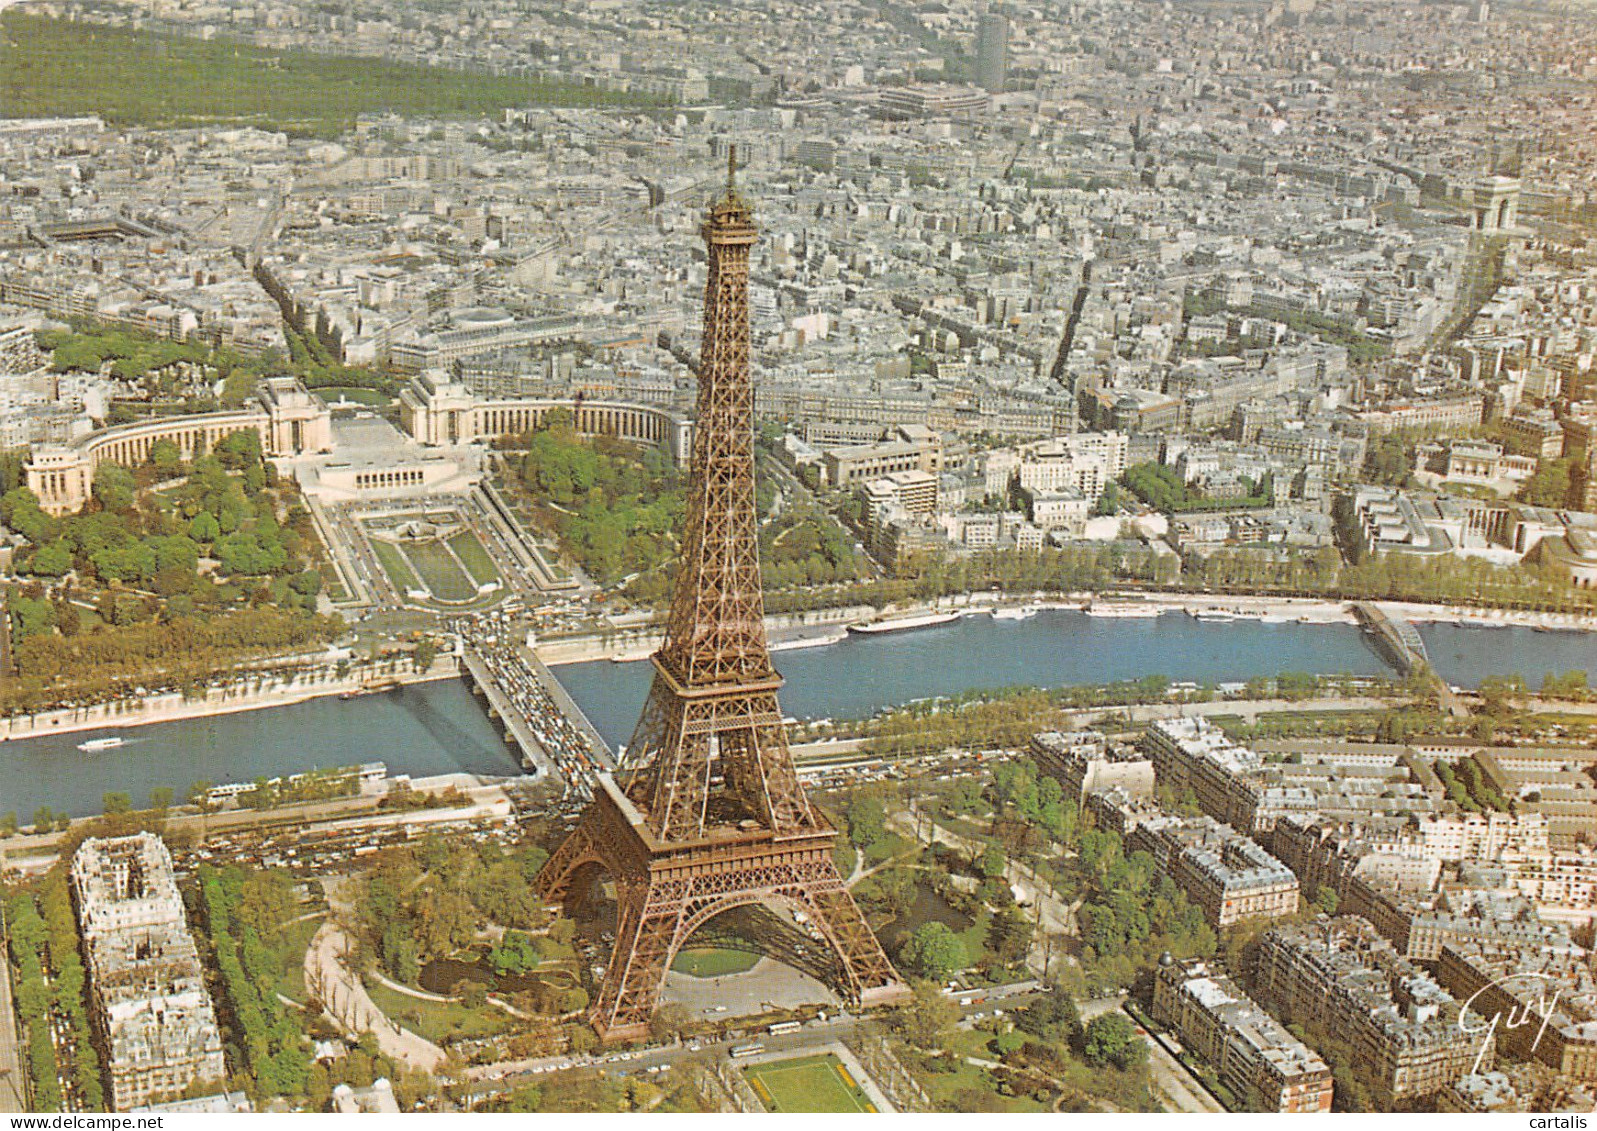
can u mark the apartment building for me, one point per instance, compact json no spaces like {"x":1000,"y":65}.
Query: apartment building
{"x":151,"y":1012}
{"x":1252,"y":1053}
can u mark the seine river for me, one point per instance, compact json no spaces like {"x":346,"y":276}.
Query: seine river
{"x":1058,"y":647}
{"x":438,"y":727}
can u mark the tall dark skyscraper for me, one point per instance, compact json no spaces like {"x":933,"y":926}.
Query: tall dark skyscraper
{"x":992,"y":50}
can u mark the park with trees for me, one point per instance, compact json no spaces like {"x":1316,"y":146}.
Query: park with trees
{"x":617,"y":508}
{"x":136,"y":76}
{"x":462,"y":920}
{"x":173,"y":569}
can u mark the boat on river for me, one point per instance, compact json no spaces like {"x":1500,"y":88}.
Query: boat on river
{"x":902,"y":624}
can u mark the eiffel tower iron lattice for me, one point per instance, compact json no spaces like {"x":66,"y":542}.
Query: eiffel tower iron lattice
{"x":706,"y":813}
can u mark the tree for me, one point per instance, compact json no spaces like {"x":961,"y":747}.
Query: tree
{"x":1497,"y":691}
{"x":67,"y":618}
{"x":165,"y":456}
{"x":515,"y":954}
{"x":203,"y":527}
{"x":113,"y":486}
{"x":240,"y":449}
{"x":264,"y":901}
{"x":1388,"y":461}
{"x":446,"y":921}
{"x":1111,"y":1038}
{"x":669,"y":1021}
{"x":251,"y":553}
{"x":867,"y":820}
{"x":50,"y":560}
{"x":992,"y":862}
{"x":19,"y":509}
{"x":1053,"y":1017}
{"x":1550,"y":486}
{"x":399,"y":954}
{"x":926,"y":1019}
{"x":473,"y":995}
{"x":306,"y":583}
{"x":933,"y":951}
{"x":1009,"y":935}
{"x":116,"y":802}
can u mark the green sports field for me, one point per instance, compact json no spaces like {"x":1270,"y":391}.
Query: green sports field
{"x":808,"y":1083}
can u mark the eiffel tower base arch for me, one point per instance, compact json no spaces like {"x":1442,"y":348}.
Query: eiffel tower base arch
{"x":666,"y":892}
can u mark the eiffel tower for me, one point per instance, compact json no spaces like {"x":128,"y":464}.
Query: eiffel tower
{"x":706,"y":813}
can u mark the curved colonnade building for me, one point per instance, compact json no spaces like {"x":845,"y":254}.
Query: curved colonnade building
{"x":289,"y":420}
{"x":292,"y":422}
{"x":439,"y":412}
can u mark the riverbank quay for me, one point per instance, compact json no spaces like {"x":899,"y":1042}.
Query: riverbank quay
{"x":31,"y":853}
{"x":638,"y":640}
{"x":818,"y":756}
{"x":248,"y":694}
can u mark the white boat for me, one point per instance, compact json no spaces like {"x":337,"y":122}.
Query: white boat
{"x":1122,"y":609}
{"x":95,"y":745}
{"x":808,"y":642}
{"x":1015,"y":613}
{"x":899,"y":624}
{"x":1217,"y":615}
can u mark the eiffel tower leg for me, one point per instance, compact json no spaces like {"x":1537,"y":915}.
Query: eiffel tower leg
{"x":648,"y":925}
{"x":553,"y":884}
{"x":870,"y":976}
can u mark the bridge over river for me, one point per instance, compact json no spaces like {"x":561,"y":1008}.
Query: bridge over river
{"x":1400,"y":642}
{"x":538,"y":716}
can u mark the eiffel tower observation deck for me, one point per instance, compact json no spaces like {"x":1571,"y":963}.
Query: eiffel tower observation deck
{"x":706,"y":814}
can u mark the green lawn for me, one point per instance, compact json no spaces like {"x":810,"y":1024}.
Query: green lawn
{"x":844,"y":856}
{"x":887,"y":846}
{"x":296,"y":940}
{"x":474,"y":557}
{"x":395,"y":566}
{"x":438,"y":1021}
{"x":713,"y":961}
{"x":333,"y":587}
{"x":810,"y":1083}
{"x":439,"y":572}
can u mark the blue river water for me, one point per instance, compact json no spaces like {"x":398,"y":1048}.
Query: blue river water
{"x":439,"y":727}
{"x":419,"y":729}
{"x":1057,"y":648}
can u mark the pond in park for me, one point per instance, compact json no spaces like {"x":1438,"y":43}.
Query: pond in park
{"x":928,"y":907}
{"x":441,"y":974}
